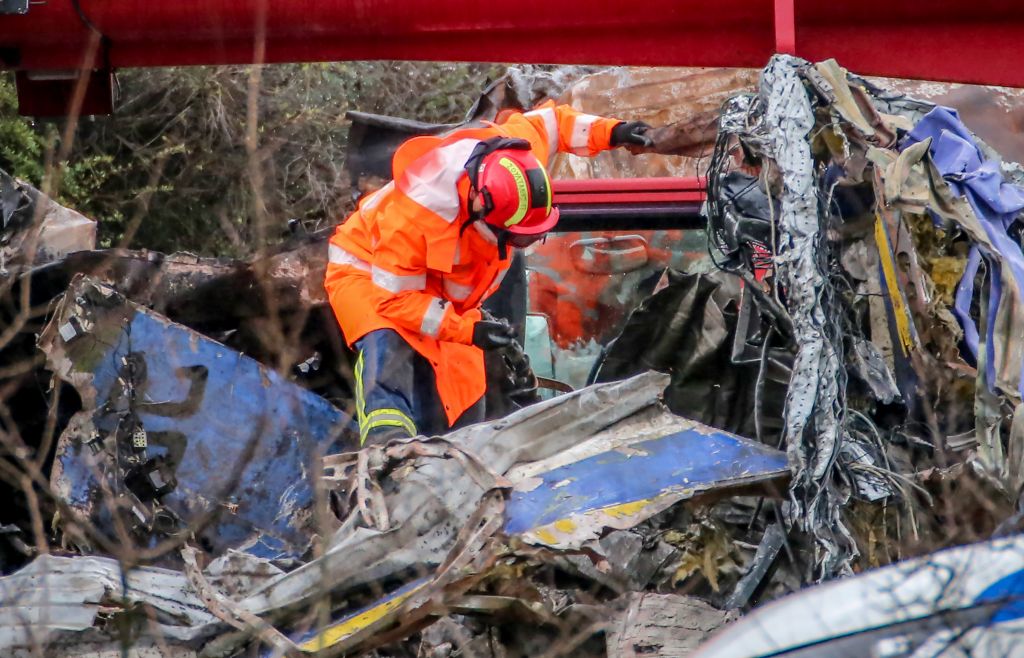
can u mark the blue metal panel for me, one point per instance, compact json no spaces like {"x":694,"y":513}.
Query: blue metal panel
{"x":694,"y":459}
{"x":243,"y":438}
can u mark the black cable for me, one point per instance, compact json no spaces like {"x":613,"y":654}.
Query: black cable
{"x":84,"y":18}
{"x":759,"y":386}
{"x":104,"y":40}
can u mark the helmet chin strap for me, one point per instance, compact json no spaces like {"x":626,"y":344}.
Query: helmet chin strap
{"x":501,"y":236}
{"x":474,"y":216}
{"x":502,"y":245}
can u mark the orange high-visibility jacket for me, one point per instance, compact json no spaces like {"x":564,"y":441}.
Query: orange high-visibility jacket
{"x":401,"y":262}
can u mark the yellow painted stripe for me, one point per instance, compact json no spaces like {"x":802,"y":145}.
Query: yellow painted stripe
{"x":624,"y":510}
{"x":347,"y":627}
{"x":550,"y":533}
{"x":899,"y":306}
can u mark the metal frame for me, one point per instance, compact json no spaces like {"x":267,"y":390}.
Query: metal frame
{"x":609,"y":204}
{"x":950,"y":40}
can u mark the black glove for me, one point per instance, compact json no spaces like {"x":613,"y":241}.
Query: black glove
{"x":517,"y":361}
{"x":525,"y":391}
{"x":521,"y":388}
{"x":492,"y":335}
{"x":631,"y":133}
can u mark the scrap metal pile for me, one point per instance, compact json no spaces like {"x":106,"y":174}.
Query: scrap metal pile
{"x":880,"y":237}
{"x":182,"y":493}
{"x":842,"y":393}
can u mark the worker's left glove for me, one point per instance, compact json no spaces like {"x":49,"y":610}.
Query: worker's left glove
{"x":631,"y":133}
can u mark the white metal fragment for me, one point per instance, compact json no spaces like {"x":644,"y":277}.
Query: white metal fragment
{"x":54,"y":595}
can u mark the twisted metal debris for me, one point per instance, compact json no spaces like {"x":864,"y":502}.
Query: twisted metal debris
{"x":779,"y":122}
{"x":843,"y":203}
{"x":814,"y":414}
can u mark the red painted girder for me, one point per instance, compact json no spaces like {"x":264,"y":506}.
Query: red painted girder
{"x":978,"y":41}
{"x":628,"y":190}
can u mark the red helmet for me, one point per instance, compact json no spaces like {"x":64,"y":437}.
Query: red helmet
{"x":515,"y":187}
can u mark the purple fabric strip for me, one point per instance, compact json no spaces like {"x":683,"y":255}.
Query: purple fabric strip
{"x":962,"y":301}
{"x":995,"y":293}
{"x":995,"y":202}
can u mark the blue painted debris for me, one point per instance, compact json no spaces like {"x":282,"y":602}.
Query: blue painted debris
{"x":184,"y":430}
{"x":616,"y":487}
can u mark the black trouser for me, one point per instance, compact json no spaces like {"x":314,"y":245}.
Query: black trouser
{"x":396,"y":391}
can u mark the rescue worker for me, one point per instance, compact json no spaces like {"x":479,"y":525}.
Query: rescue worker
{"x":408,"y":270}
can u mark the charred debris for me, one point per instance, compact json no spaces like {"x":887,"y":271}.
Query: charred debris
{"x":836,"y":400}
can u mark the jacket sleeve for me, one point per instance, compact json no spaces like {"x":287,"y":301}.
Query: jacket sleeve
{"x":562,"y":128}
{"x":399,"y":273}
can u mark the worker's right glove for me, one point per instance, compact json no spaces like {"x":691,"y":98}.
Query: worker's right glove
{"x":631,"y":133}
{"x":492,"y":334}
{"x":524,"y":389}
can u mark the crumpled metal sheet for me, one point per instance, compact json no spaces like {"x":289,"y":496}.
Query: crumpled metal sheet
{"x":813,"y":409}
{"x":430,"y":499}
{"x":639,"y":464}
{"x":35,"y":229}
{"x":236,"y":437}
{"x":870,"y":240}
{"x":53,"y":599}
{"x":960,"y":602}
{"x":619,"y":486}
{"x":434,"y":497}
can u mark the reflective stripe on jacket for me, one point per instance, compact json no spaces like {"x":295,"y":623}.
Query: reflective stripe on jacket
{"x":402,"y":262}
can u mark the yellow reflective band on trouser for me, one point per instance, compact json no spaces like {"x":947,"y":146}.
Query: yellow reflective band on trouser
{"x":386,"y":418}
{"x":360,"y":402}
{"x":378,"y":417}
{"x":522,"y":190}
